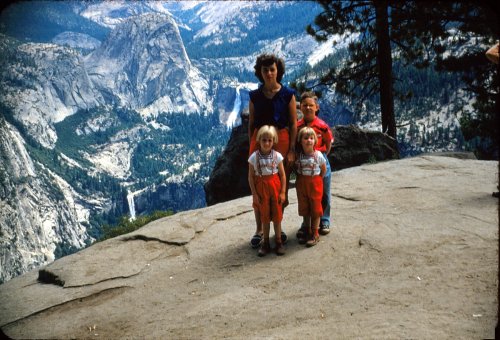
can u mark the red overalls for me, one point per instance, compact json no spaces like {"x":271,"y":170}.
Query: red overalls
{"x":309,"y":193}
{"x":268,"y":188}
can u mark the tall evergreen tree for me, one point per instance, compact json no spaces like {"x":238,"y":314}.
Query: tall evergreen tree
{"x":368,"y":71}
{"x":419,"y":33}
{"x":470,"y":28}
{"x":384,"y":66}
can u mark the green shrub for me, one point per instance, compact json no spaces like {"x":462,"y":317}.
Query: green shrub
{"x":126,"y":225}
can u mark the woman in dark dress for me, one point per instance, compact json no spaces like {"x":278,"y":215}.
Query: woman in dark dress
{"x":273,"y":104}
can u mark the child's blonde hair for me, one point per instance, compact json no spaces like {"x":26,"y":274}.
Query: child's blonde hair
{"x":267,"y":130}
{"x":307,"y":131}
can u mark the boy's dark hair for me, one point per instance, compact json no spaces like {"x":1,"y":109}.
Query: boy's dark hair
{"x":268,"y":60}
{"x":309,"y":94}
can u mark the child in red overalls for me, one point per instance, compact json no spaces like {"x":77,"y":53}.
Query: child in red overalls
{"x":310,"y":166}
{"x":267,"y":180}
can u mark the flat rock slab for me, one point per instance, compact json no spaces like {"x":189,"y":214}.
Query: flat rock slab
{"x":412,"y":254}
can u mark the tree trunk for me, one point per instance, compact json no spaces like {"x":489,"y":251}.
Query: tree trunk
{"x":384,"y":63}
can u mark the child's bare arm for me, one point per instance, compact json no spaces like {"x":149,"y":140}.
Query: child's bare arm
{"x":281,"y":173}
{"x":323,"y":169}
{"x":251,"y":183}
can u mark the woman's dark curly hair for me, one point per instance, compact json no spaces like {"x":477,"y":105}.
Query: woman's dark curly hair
{"x":268,"y":60}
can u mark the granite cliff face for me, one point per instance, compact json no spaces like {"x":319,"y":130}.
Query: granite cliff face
{"x":39,"y":211}
{"x":42,"y":84}
{"x":143,"y":65}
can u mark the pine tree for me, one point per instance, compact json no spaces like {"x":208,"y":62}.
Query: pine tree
{"x":478,"y":22}
{"x":419,"y":33}
{"x":368,"y":70}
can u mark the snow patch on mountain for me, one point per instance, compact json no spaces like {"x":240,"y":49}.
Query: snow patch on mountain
{"x":158,"y":126}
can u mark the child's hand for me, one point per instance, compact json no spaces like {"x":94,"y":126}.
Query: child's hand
{"x":290,"y":158}
{"x":256,"y":199}
{"x":281,"y":198}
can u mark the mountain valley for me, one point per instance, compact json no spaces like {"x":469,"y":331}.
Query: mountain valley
{"x":116,"y":108}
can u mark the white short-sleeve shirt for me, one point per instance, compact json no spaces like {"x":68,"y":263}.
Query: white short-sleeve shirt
{"x":310,"y":165}
{"x":265,"y":165}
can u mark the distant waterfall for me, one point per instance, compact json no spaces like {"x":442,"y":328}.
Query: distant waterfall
{"x":131,"y":205}
{"x":233,"y":116}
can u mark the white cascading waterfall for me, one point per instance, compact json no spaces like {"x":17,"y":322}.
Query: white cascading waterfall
{"x":231,"y":120}
{"x":131,"y":205}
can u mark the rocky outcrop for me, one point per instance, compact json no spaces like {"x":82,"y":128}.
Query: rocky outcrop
{"x":229,"y":177}
{"x":413,"y":253}
{"x":352,"y":147}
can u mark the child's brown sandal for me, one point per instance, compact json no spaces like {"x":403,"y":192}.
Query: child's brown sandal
{"x":264,"y":250}
{"x":279,"y":250}
{"x":312,"y":241}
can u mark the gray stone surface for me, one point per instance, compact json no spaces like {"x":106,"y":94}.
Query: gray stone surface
{"x":412,"y":254}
